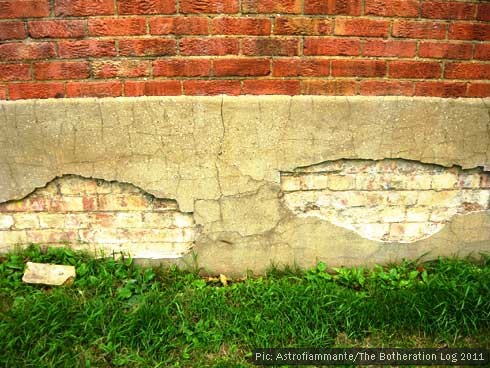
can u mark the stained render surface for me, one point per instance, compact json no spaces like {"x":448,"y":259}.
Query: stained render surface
{"x":221,"y":159}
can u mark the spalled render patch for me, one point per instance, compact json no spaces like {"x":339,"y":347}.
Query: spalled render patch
{"x":389,"y":200}
{"x":100,"y":216}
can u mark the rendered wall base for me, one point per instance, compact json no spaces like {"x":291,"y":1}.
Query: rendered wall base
{"x":249,"y":181}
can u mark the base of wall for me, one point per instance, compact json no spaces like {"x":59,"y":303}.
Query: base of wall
{"x":243,"y":182}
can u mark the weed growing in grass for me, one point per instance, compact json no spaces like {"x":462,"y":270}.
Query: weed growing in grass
{"x":118,"y":314}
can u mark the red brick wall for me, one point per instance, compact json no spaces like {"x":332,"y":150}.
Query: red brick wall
{"x":73,"y":48}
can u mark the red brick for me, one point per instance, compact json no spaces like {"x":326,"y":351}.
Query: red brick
{"x":467,"y":71}
{"x":36,"y":90}
{"x":56,"y":28}
{"x":146,"y":6}
{"x":329,"y":87}
{"x":482,"y":51}
{"x":479,"y":90}
{"x":270,"y":87}
{"x":52,"y":236}
{"x":440,"y":89}
{"x":448,"y":10}
{"x":361,"y":27}
{"x":300,"y":67}
{"x":302,"y":26}
{"x":271,"y":6}
{"x":211,"y":87}
{"x":386,"y":88}
{"x":270,"y":46}
{"x":414,"y":69}
{"x":152,"y":88}
{"x":12,"y":30}
{"x":242,"y":26}
{"x":209,"y":46}
{"x":89,"y":204}
{"x":3,"y":92}
{"x":179,"y":26}
{"x":332,"y":46}
{"x":445,"y":50}
{"x":120,"y":68}
{"x":358,"y":68}
{"x":86,"y":48}
{"x":93,"y":89}
{"x":393,"y":8}
{"x":24,"y":8}
{"x":415,"y":29}
{"x":147,"y":47}
{"x":483,"y":12}
{"x":241,"y":67}
{"x":116,"y":27}
{"x":15,"y":72}
{"x":209,"y":6}
{"x":389,"y":48}
{"x":469,"y":31}
{"x":182,"y":68}
{"x":61,"y":70}
{"x":346,"y":7}
{"x":26,"y":51}
{"x":82,"y":8}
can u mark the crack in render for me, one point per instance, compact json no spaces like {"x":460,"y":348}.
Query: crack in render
{"x":222,"y":141}
{"x":102,"y":127}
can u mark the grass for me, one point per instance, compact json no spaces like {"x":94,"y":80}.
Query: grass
{"x":118,"y":314}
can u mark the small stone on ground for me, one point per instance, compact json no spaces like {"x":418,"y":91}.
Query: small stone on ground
{"x":48,"y":274}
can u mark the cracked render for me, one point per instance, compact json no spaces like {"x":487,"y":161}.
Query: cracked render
{"x":224,"y":161}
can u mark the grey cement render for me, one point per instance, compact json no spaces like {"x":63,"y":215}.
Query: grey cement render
{"x":221,"y":157}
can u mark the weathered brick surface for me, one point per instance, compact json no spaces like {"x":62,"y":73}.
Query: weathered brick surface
{"x":95,"y":214}
{"x":94,"y":89}
{"x":402,"y":43}
{"x":24,"y":8}
{"x":388,"y":200}
{"x":12,"y":30}
{"x":57,"y":29}
{"x":152,"y":88}
{"x":146,"y":6}
{"x":179,"y":26}
{"x":345,"y":7}
{"x":393,"y":8}
{"x":179,"y":67}
{"x":122,"y":68}
{"x":61,"y":70}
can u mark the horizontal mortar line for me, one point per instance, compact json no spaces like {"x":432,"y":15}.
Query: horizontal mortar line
{"x":254,"y":15}
{"x":173,"y":35}
{"x":326,"y":57}
{"x":242,"y":78}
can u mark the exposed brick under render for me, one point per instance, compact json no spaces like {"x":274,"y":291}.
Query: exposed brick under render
{"x":107,"y":218}
{"x":73,"y":48}
{"x":388,"y":200}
